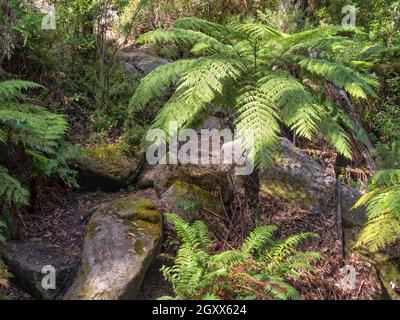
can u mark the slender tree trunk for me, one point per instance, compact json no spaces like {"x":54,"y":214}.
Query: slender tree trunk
{"x":340,"y":98}
{"x":245,"y":201}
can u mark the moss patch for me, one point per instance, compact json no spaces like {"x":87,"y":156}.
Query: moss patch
{"x":110,"y":160}
{"x":289,"y":192}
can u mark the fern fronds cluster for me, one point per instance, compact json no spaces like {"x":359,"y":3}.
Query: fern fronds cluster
{"x":262,"y":260}
{"x":259,"y":73}
{"x":34,"y":129}
{"x":383,"y":210}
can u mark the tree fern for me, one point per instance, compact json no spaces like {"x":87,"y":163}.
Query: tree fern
{"x":262,"y":71}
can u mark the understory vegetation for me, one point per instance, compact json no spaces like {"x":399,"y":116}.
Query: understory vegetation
{"x":258,"y":270}
{"x":111,"y":70}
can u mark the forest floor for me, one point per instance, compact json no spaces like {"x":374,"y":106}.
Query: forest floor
{"x":64,"y":228}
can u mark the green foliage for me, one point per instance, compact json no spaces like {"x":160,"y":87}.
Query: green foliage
{"x":39,"y":132}
{"x":383,"y":209}
{"x":199,"y":274}
{"x":263,"y":70}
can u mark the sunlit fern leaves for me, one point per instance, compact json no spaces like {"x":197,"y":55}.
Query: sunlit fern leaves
{"x":198,"y":273}
{"x":157,"y":82}
{"x":383,"y":210}
{"x":264,"y":70}
{"x":357,"y":85}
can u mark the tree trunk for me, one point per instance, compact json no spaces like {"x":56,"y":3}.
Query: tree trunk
{"x":245,"y":201}
{"x":340,"y":98}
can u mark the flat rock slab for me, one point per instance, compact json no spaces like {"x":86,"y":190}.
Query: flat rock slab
{"x":122,"y":240}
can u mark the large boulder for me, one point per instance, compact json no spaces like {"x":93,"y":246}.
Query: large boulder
{"x":122,"y":240}
{"x":296,"y":178}
{"x":191,"y":202}
{"x":107,"y":169}
{"x":27,"y":263}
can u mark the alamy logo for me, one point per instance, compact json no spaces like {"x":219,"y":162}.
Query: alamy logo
{"x":348,"y":277}
{"x":49,"y":20}
{"x":210,"y":147}
{"x":49,"y":280}
{"x":349,"y":21}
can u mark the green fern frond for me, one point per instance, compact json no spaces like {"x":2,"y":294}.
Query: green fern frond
{"x":156,"y":82}
{"x":299,"y":110}
{"x":183,"y":37}
{"x":286,"y":247}
{"x":202,"y":233}
{"x":379,"y":231}
{"x":212,"y":29}
{"x":185,"y":233}
{"x":258,"y":238}
{"x":11,"y":189}
{"x":356,"y":85}
{"x":228,"y":258}
{"x":196,"y":90}
{"x":336,"y":136}
{"x":12,"y":89}
{"x":257,"y":31}
{"x":257,"y":124}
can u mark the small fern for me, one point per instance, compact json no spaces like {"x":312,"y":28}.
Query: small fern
{"x":199,"y":274}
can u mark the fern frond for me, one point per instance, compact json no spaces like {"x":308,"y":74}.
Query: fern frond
{"x":202,"y":233}
{"x":12,"y":89}
{"x":357,"y":85}
{"x":183,"y":37}
{"x":286,"y":247}
{"x":196,"y":90}
{"x":157,"y":81}
{"x":258,"y":238}
{"x":228,"y":258}
{"x":185,"y":233}
{"x":257,"y":124}
{"x":336,"y":136}
{"x":380,"y":231}
{"x":257,"y":31}
{"x":212,"y":29}
{"x":299,"y":110}
{"x":11,"y":189}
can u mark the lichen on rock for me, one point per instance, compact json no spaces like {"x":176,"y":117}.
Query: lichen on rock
{"x":107,"y":168}
{"x":123,"y":238}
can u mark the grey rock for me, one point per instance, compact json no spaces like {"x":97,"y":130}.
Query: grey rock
{"x":296,"y":178}
{"x":25,"y":261}
{"x":107,"y":169}
{"x":191,"y":202}
{"x":122,"y":240}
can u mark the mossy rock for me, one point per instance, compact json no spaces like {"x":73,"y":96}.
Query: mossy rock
{"x":122,"y":240}
{"x":296,"y":178}
{"x":107,"y":168}
{"x":389,"y":272}
{"x":161,"y":177}
{"x":191,"y":202}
